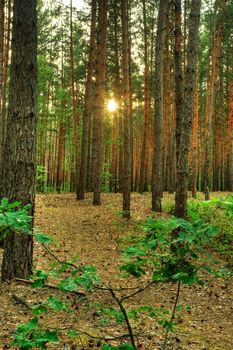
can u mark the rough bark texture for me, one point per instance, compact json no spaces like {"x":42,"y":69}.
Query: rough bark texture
{"x":211,"y":92}
{"x":157,"y":182}
{"x":5,"y":58}
{"x":229,"y":139}
{"x":126,"y":94}
{"x":178,"y":74}
{"x":74,"y":101}
{"x":145,"y":141}
{"x":18,"y":182}
{"x":2,"y":3}
{"x":100,"y":99}
{"x":193,"y":159}
{"x":87,"y":107}
{"x":186,"y":124}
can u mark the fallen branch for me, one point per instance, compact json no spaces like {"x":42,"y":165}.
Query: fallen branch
{"x":47,"y":285}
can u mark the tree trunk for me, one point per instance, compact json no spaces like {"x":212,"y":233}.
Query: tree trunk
{"x":5,"y":75}
{"x":74,"y":100}
{"x":100,"y":99}
{"x":229,"y":138}
{"x":87,"y":108}
{"x":18,"y":182}
{"x":187,"y":113}
{"x":210,"y":96}
{"x":157,"y":185}
{"x":127,"y":117}
{"x":2,"y":13}
{"x":145,"y":141}
{"x":194,"y":142}
{"x":178,"y":75}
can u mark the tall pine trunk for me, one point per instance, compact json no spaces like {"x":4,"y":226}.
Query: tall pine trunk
{"x":187,"y":113}
{"x":18,"y":181}
{"x":126,"y":112}
{"x":210,"y":95}
{"x":87,"y":108}
{"x":145,"y":140}
{"x":157,"y":184}
{"x":74,"y":101}
{"x":2,"y":4}
{"x":100,"y":100}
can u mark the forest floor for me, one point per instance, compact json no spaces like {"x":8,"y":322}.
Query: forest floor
{"x":93,"y":233}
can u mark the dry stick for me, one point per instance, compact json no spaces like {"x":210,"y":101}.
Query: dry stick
{"x":20,"y":300}
{"x":47,"y":285}
{"x":123,"y":310}
{"x":58,"y":260}
{"x":140,"y":290}
{"x":107,"y":338}
{"x":172,"y":316}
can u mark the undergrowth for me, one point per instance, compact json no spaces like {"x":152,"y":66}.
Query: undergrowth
{"x":181,"y":260}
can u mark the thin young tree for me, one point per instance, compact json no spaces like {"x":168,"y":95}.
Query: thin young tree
{"x":18,"y":180}
{"x":157,"y":181}
{"x":187,"y":111}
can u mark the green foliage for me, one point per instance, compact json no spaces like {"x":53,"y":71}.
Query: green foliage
{"x":169,"y":250}
{"x":41,"y":177}
{"x":30,"y":336}
{"x":125,"y":346}
{"x":87,"y":280}
{"x":40,"y":278}
{"x":109,"y":313}
{"x":43,"y":238}
{"x":174,"y":260}
{"x":105,"y":179}
{"x":217,"y":212}
{"x":13,"y":217}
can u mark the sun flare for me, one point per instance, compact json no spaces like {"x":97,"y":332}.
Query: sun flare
{"x":112,"y":105}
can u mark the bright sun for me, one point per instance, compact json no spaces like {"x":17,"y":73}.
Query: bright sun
{"x":112,"y":105}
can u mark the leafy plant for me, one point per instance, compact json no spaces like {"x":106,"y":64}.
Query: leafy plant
{"x":30,"y":335}
{"x":13,"y":217}
{"x":164,"y":259}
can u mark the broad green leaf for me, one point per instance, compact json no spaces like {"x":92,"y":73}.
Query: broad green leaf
{"x":38,"y":309}
{"x":43,"y":238}
{"x":51,"y":336}
{"x":72,"y":333}
{"x":56,"y":304}
{"x":69,"y":285}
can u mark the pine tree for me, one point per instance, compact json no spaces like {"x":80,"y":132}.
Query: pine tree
{"x":18,"y":181}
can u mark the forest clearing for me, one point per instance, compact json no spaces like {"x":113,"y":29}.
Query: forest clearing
{"x":94,"y":234}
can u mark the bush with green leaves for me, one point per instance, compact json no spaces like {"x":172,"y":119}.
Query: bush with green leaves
{"x":217,"y":211}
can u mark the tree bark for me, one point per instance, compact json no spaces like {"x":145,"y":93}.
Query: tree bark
{"x":5,"y":75}
{"x":2,"y":13}
{"x":145,"y":141}
{"x":18,"y":181}
{"x":74,"y":100}
{"x":210,"y":96}
{"x":157,"y":185}
{"x":100,"y":100}
{"x":127,"y":110}
{"x":187,"y":113}
{"x":87,"y":107}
